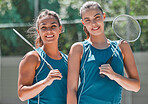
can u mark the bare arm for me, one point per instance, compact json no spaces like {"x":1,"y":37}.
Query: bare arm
{"x":74,"y":58}
{"x":27,"y":69}
{"x":132,"y":82}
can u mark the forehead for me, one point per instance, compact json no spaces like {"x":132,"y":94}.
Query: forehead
{"x":48,"y":20}
{"x":91,"y":12}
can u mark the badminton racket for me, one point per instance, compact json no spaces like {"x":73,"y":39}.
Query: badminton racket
{"x":126,"y":28}
{"x":48,"y":65}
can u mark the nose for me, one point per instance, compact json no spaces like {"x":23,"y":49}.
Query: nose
{"x":49,"y":29}
{"x":93,"y":22}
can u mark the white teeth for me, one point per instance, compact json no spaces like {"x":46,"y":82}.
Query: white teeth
{"x":49,"y":36}
{"x":95,"y":28}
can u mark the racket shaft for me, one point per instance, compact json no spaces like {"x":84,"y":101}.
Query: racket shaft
{"x":48,"y":65}
{"x":23,"y":38}
{"x":109,"y":61}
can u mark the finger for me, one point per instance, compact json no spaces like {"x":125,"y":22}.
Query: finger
{"x":103,"y":68}
{"x":57,"y":78}
{"x":104,"y":72}
{"x":53,"y":77}
{"x":105,"y":65}
{"x":56,"y":70}
{"x":55,"y":74}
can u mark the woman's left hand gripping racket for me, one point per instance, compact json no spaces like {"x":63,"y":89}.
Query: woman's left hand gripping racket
{"x":126,"y":28}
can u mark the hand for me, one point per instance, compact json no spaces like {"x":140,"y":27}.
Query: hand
{"x":107,"y":70}
{"x":53,"y":75}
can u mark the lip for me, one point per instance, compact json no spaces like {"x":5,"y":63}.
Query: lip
{"x":49,"y":36}
{"x":95,"y":28}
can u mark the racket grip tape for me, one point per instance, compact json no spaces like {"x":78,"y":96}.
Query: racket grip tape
{"x":102,"y":75}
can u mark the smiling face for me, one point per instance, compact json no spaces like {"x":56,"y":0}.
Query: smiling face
{"x":49,"y":29}
{"x":93,"y":20}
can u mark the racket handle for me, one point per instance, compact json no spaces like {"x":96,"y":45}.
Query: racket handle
{"x":102,"y":75}
{"x":49,"y":67}
{"x":109,"y":61}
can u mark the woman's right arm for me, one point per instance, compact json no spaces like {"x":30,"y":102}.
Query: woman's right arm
{"x":74,"y":59}
{"x":27,"y":68}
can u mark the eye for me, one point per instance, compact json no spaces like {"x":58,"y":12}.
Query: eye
{"x":43,"y":27}
{"x":53,"y":26}
{"x":97,"y":17}
{"x":87,"y":21}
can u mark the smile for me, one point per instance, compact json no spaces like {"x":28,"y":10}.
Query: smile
{"x":95,"y":29}
{"x":50,"y":36}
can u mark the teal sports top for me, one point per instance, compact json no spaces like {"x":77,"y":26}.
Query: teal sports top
{"x":55,"y":93}
{"x":94,"y":89}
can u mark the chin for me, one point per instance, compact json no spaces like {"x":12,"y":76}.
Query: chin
{"x":96,"y":34}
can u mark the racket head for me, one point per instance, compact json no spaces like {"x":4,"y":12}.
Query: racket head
{"x":126,"y":28}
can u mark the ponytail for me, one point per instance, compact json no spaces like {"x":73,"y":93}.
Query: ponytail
{"x":86,"y":32}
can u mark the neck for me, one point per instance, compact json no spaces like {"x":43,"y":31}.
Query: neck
{"x":99,"y":41}
{"x":52,"y":51}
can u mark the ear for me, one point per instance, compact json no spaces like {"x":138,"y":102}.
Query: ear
{"x":104,"y":15}
{"x":60,"y":29}
{"x":82,"y":21}
{"x":37,"y":31}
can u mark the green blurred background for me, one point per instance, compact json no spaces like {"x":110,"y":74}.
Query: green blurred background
{"x":19,"y":14}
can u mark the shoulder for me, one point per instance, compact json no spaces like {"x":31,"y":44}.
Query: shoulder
{"x":32,"y":55}
{"x":124,"y":45}
{"x":125,"y":48}
{"x":31,"y":58}
{"x":76,"y":50}
{"x":77,"y":47}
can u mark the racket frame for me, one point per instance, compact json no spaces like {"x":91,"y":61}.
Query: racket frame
{"x":119,"y":35}
{"x":110,"y":59}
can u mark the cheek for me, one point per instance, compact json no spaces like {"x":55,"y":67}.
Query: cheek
{"x":87,"y":26}
{"x":57,"y":31}
{"x":41,"y":33}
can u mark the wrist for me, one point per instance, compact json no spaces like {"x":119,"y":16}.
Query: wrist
{"x":116,"y":77}
{"x":44,"y":82}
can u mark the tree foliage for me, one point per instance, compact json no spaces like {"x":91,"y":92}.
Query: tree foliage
{"x":22,"y":11}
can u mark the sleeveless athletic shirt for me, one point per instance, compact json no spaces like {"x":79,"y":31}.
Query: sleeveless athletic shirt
{"x":94,"y":89}
{"x":55,"y":93}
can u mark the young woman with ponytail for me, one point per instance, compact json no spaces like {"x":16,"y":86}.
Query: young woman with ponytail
{"x":87,"y":60}
{"x":36,"y":83}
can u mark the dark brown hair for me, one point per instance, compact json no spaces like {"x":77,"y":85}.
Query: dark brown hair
{"x":89,"y":5}
{"x":33,"y":30}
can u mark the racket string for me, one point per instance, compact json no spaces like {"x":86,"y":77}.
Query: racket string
{"x":126,"y":28}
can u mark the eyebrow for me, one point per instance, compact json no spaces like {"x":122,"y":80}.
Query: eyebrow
{"x":97,"y":14}
{"x":54,"y":23}
{"x":94,"y":16}
{"x":51,"y":23}
{"x":86,"y":18}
